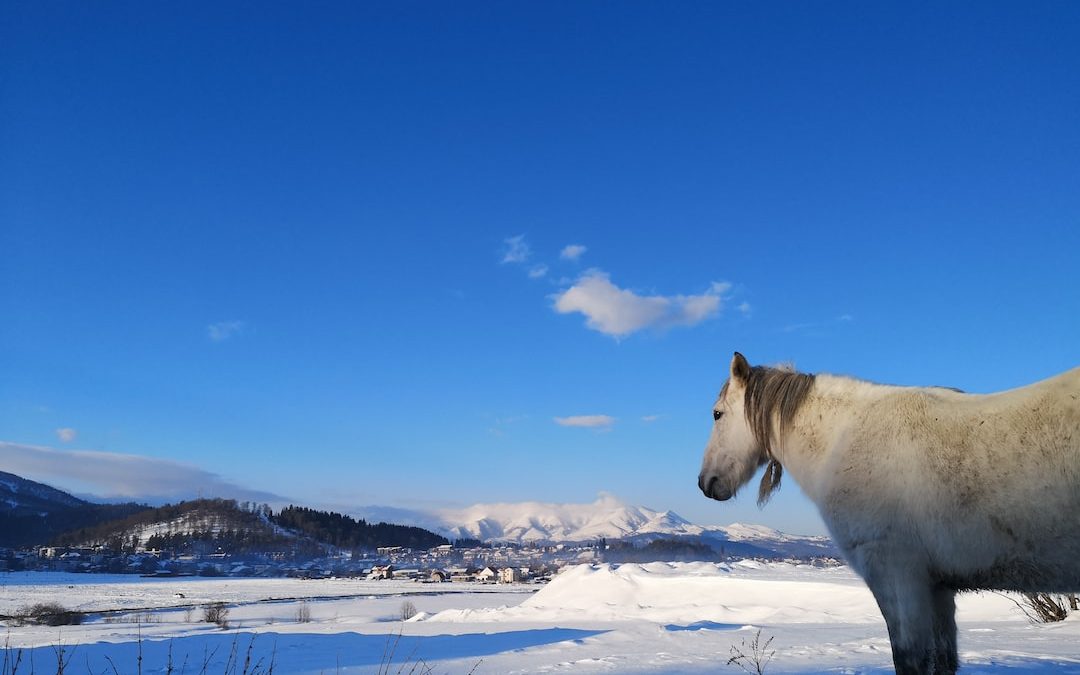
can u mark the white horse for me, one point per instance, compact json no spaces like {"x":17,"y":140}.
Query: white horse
{"x":927,"y":491}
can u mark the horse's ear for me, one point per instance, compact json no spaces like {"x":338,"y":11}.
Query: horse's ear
{"x":740,"y":368}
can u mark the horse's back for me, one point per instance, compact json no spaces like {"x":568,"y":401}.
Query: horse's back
{"x":988,"y":485}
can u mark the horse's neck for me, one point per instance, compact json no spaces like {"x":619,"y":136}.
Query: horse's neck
{"x":829,"y":409}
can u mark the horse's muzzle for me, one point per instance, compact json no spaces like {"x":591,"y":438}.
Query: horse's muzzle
{"x":710,"y":486}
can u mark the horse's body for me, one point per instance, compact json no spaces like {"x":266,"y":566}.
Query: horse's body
{"x":927,"y":491}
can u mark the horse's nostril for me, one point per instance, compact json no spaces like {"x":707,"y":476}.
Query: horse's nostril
{"x":706,"y":486}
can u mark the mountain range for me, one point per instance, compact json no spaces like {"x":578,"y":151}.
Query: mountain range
{"x":606,"y":518}
{"x":33,"y":512}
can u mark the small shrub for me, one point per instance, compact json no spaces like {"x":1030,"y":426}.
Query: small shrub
{"x":753,"y":657}
{"x":216,"y":613}
{"x":408,"y":611}
{"x":1046,"y":608}
{"x":303,"y":612}
{"x":47,"y":614}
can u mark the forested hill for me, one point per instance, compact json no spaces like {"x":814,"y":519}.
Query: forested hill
{"x":221,"y":522}
{"x":34,"y":513}
{"x":224,"y":525}
{"x":345,"y":532}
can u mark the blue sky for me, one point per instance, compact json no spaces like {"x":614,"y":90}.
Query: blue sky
{"x":317,"y":251}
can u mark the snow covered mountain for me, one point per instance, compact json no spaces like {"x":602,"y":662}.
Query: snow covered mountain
{"x":608,"y":517}
{"x":524,"y":522}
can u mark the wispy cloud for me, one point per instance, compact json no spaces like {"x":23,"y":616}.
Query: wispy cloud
{"x":572,"y":252}
{"x":817,"y":328}
{"x":588,"y":421}
{"x":66,"y":434}
{"x":744,"y":308}
{"x":650,"y":418}
{"x":115,"y":475}
{"x":500,"y":424}
{"x":223,"y":330}
{"x":516,"y":250}
{"x":537,"y":271}
{"x":619,"y":312}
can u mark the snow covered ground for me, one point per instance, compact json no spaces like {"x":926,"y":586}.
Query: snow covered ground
{"x":652,"y":618}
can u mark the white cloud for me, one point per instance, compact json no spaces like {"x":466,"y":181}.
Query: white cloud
{"x":66,"y":434}
{"x":115,"y":475}
{"x":517,"y":250}
{"x":650,"y":418}
{"x":745,"y":308}
{"x":223,"y":330}
{"x":538,"y":271}
{"x":618,"y":312}
{"x":572,"y":252}
{"x":589,"y":421}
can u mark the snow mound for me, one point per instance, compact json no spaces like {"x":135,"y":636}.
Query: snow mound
{"x":689,"y":594}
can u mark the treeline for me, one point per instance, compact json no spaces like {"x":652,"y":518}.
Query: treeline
{"x":348,"y":533}
{"x":469,"y":542}
{"x":666,"y":550}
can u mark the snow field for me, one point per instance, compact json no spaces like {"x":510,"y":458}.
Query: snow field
{"x":111,"y":592}
{"x":650,"y":618}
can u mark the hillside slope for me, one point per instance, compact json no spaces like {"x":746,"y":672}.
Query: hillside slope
{"x":33,"y":513}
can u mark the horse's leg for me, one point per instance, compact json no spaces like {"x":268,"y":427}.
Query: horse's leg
{"x":909,"y":618}
{"x":905,"y":596}
{"x":946,"y":661}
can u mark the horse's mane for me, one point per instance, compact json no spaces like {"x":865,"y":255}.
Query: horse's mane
{"x":773,"y":396}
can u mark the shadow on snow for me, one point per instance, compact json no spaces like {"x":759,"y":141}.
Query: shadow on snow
{"x":703,"y":625}
{"x":291,"y":651}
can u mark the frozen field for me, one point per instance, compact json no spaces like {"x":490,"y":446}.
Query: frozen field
{"x":654,"y":618}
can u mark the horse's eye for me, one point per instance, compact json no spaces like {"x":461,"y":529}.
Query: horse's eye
{"x":716,"y":414}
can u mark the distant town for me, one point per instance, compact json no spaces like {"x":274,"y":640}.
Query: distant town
{"x":445,"y":563}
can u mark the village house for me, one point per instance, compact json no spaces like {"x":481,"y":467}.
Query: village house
{"x":380,"y":572}
{"x":510,"y":575}
{"x":461,"y":574}
{"x":488,"y":575}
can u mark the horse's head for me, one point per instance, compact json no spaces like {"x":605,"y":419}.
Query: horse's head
{"x":734,"y":453}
